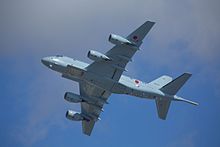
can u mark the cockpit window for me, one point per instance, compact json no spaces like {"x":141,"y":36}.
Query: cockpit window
{"x":59,"y":55}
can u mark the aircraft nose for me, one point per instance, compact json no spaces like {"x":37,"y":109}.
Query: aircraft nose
{"x":45,"y":61}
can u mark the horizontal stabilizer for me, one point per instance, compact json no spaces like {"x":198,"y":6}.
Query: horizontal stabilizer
{"x":161,"y":81}
{"x":173,"y":87}
{"x":162,"y":107}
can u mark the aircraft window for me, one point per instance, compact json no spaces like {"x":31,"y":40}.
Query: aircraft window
{"x":59,"y":55}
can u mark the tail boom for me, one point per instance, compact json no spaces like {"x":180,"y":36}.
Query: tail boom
{"x":176,"y":98}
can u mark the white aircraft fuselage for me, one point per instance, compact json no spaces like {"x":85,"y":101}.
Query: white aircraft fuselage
{"x":76,"y":70}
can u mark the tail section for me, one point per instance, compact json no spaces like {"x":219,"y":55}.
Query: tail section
{"x":138,"y":35}
{"x":162,"y":107}
{"x":161,"y":81}
{"x":176,"y":98}
{"x":173,"y":87}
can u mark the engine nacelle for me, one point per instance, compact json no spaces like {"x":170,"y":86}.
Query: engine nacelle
{"x":118,"y":40}
{"x":97,"y":56}
{"x":72,"y":97}
{"x":72,"y":115}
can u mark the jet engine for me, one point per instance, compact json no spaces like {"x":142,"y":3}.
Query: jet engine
{"x":118,"y":40}
{"x":97,"y":56}
{"x":72,"y":97}
{"x":72,"y":115}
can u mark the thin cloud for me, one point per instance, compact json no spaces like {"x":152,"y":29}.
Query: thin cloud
{"x":33,"y":29}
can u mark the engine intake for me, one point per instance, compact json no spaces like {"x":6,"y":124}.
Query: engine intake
{"x":72,"y":115}
{"x":72,"y":97}
{"x":97,"y":56}
{"x":118,"y":40}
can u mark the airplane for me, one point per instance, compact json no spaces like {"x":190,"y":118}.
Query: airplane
{"x":104,"y":76}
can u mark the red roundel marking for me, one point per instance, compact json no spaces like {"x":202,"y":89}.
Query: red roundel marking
{"x":137,"y":81}
{"x":135,"y":37}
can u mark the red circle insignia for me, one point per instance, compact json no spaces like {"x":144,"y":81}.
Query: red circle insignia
{"x":136,"y":81}
{"x":135,"y":37}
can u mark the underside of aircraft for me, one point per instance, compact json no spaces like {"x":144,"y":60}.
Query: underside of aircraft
{"x":104,"y":76}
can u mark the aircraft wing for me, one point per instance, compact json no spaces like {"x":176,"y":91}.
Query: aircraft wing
{"x":120,"y":54}
{"x":92,"y":108}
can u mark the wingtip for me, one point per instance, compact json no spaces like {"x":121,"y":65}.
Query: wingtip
{"x":87,"y":134}
{"x":188,"y":73}
{"x":149,"y":21}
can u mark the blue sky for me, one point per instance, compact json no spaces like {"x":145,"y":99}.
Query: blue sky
{"x":184,"y":38}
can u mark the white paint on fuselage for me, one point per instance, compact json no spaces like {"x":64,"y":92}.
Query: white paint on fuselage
{"x":125,"y":85}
